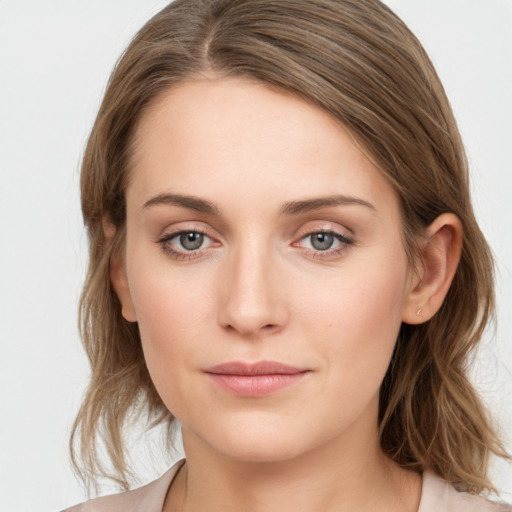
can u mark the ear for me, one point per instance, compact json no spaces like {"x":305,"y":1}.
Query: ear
{"x":117,"y":271}
{"x":440,"y":255}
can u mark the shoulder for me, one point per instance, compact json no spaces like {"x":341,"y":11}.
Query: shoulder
{"x":148,"y":498}
{"x":438,"y":496}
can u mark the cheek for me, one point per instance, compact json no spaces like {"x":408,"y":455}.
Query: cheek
{"x":356,"y":318}
{"x":172,"y":314}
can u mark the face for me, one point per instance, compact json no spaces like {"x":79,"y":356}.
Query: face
{"x":265,"y":267}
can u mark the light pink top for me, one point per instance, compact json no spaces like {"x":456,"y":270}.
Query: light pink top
{"x":436,"y":496}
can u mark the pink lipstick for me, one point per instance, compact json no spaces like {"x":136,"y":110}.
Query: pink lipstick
{"x":255,"y":379}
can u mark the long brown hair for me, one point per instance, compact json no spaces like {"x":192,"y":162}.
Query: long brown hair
{"x":356,"y":60}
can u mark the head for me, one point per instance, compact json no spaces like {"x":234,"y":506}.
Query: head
{"x":357,"y":66}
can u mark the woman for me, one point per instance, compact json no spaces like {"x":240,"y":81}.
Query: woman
{"x":284,"y":258}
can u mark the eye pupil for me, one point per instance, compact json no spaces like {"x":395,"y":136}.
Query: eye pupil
{"x":322,"y":241}
{"x":191,"y":241}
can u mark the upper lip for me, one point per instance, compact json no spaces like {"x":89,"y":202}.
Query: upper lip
{"x":259,"y":368}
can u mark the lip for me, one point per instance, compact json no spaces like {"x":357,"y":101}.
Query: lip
{"x":255,"y":379}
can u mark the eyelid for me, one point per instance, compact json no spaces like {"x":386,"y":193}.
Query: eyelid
{"x":174,"y":234}
{"x":180,"y":227}
{"x":324,"y":227}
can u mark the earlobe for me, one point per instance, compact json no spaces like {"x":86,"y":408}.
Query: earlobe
{"x":440,"y":255}
{"x":117,"y":272}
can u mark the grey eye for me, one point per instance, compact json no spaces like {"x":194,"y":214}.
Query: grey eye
{"x":191,"y":241}
{"x":322,"y":241}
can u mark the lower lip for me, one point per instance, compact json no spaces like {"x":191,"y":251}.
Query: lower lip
{"x":256,"y":385}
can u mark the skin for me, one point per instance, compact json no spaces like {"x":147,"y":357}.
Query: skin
{"x":258,"y":288}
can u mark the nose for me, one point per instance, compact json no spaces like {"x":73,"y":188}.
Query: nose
{"x":253,"y":295}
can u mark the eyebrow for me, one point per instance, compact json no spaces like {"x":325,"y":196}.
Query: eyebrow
{"x":289,"y":208}
{"x":190,"y":202}
{"x":309,"y":205}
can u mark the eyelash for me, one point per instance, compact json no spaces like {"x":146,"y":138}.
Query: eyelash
{"x":314,"y":253}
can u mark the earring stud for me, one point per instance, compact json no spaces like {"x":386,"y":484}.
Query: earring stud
{"x":419,"y":312}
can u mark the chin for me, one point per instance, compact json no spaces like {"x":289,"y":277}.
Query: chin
{"x":257,"y":441}
{"x":261,"y":450}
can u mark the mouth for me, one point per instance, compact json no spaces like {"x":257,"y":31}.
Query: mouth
{"x":255,"y":379}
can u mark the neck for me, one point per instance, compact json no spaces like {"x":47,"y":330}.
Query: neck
{"x":343,"y":475}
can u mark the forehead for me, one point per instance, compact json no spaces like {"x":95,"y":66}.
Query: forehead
{"x":211,"y":137}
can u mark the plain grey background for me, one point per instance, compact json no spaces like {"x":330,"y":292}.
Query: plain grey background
{"x":55,"y":57}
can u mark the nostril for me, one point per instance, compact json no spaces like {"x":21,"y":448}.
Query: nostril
{"x":270,"y":328}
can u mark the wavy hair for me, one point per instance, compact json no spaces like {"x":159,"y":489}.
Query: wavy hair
{"x":356,"y":60}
